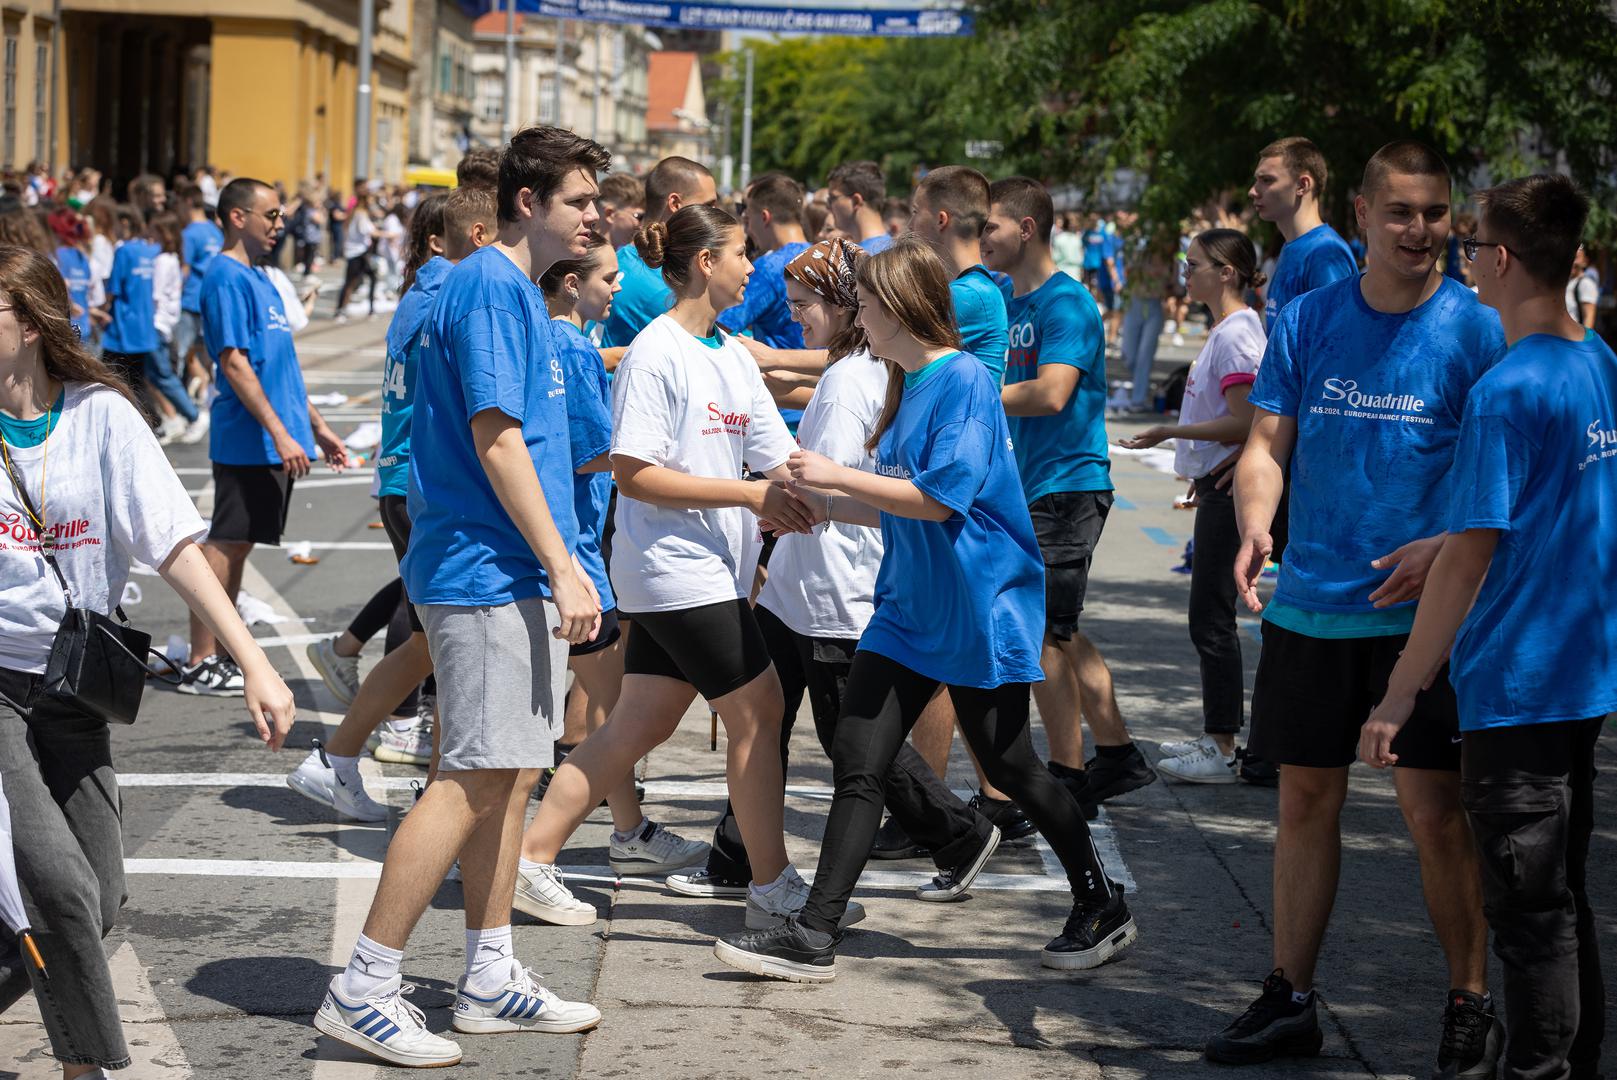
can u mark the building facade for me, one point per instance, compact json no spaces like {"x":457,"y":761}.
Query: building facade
{"x":676,"y":116}
{"x":264,"y":90}
{"x":442,"y":87}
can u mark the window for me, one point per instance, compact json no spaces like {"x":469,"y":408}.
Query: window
{"x":42,"y":82}
{"x":547,"y":100}
{"x":9,"y":149}
{"x":444,"y":69}
{"x":491,"y":97}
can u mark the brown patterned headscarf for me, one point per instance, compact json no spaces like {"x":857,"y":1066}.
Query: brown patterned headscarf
{"x":828,"y":268}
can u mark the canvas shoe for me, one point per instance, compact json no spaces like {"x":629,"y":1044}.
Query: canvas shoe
{"x":704,"y":883}
{"x":953,"y":882}
{"x":316,"y":778}
{"x":384,"y":1025}
{"x":544,"y":894}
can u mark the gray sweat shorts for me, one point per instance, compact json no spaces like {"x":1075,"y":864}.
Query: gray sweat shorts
{"x":501,"y":678}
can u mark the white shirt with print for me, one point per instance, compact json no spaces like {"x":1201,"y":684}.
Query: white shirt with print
{"x":1231,"y":356}
{"x":110,"y":497}
{"x":823,"y":584}
{"x":681,"y":404}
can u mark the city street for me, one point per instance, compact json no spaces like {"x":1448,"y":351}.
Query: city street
{"x":245,"y":898}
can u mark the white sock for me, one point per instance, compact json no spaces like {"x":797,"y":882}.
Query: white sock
{"x":1301,"y":997}
{"x":527,"y":867}
{"x":625,"y":837}
{"x":371,"y":965}
{"x":488,"y":958}
{"x":342,"y":764}
{"x":765,"y":890}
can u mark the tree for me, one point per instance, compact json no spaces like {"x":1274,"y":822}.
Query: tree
{"x":1187,"y":92}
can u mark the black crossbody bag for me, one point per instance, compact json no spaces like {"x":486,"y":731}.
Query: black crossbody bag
{"x":97,"y":664}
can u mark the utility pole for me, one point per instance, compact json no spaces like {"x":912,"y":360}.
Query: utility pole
{"x":746,"y":130}
{"x":362,"y":104}
{"x":595,"y":106}
{"x":561,"y":32}
{"x":510,"y":69}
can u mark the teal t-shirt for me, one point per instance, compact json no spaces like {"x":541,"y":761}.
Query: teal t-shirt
{"x":24,"y":434}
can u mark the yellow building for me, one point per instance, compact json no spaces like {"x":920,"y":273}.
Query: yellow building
{"x":264,"y":89}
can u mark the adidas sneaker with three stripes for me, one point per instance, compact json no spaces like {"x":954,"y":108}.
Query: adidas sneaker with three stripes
{"x":384,"y":1025}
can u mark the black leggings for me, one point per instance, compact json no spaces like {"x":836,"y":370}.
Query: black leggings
{"x":882,"y":702}
{"x":358,"y":268}
{"x":1213,"y":629}
{"x":929,"y":811}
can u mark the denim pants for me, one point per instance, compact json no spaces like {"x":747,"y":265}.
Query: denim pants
{"x":1212,"y":609}
{"x":187,"y":335}
{"x":67,"y":833}
{"x":923,"y":804}
{"x":1142,"y":326}
{"x":1529,"y":792}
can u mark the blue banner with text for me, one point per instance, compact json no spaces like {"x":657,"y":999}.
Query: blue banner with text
{"x":867,"y":22}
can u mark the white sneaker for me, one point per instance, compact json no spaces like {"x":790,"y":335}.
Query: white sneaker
{"x":316,"y":778}
{"x":1179,"y":339}
{"x":655,"y":850}
{"x":384,"y":1025}
{"x":520,"y":1005}
{"x":197,"y":430}
{"x":1181,"y":747}
{"x":214,"y":676}
{"x":406,"y":746}
{"x":341,"y":673}
{"x":545,"y":896}
{"x":170,"y":429}
{"x":766,"y":910}
{"x":1206,"y":766}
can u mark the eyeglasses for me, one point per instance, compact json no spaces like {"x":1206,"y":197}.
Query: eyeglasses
{"x":272,"y":216}
{"x":1471,"y":243}
{"x":793,"y":307}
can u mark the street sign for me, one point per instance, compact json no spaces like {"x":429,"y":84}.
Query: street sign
{"x":864,"y":22}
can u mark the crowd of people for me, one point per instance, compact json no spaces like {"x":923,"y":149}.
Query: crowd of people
{"x":834,"y":446}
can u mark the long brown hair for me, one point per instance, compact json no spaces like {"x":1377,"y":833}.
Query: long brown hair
{"x":20,"y":226}
{"x":39,"y":298}
{"x":164,"y":229}
{"x":910,"y":283}
{"x":425,"y":223}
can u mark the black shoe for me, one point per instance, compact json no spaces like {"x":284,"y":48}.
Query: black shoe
{"x":1472,"y":1039}
{"x":708,"y":884}
{"x":790,"y":951}
{"x":953,"y":882}
{"x":1077,"y":782}
{"x":1110,"y":777}
{"x":539,"y":789}
{"x":1272,"y":1026}
{"x":892,"y":842}
{"x":1093,"y":934}
{"x":1256,"y":771}
{"x":1004,"y":815}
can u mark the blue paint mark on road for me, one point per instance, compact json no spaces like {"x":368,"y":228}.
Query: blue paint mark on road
{"x":1159,"y":536}
{"x":1122,"y":503}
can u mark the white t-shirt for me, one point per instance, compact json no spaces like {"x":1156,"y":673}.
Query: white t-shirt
{"x":684,"y":405}
{"x":110,"y":497}
{"x":296,"y":317}
{"x":1231,"y":356}
{"x":1580,"y":290}
{"x":356,"y":237}
{"x":166,"y":287}
{"x":823,"y":584}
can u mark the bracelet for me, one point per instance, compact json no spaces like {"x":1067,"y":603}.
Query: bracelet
{"x":829,"y":500}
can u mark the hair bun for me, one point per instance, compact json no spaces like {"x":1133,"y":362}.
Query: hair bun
{"x":652,"y":243}
{"x":1259,"y":279}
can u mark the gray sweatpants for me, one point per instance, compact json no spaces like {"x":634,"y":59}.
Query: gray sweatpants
{"x":67,"y":833}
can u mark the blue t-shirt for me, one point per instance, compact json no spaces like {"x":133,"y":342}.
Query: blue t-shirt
{"x":644,"y":296}
{"x":1059,"y":323}
{"x":134,"y":310}
{"x":589,"y":425}
{"x":979,"y":314}
{"x":962,"y":600}
{"x":1094,"y":248}
{"x":1537,"y":459}
{"x":1378,"y":400}
{"x":874,"y":244}
{"x":199,"y":243}
{"x":405,"y":336}
{"x":763,"y":310}
{"x":1312,"y":261}
{"x":242,"y":309}
{"x":74,"y":266}
{"x":1453,"y":259}
{"x":490,"y":346}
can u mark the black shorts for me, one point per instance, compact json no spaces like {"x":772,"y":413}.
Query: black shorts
{"x":717,"y":648}
{"x":605,"y":639}
{"x":1312,"y":695}
{"x":1068,"y":525}
{"x":396,"y":522}
{"x":250,"y":503}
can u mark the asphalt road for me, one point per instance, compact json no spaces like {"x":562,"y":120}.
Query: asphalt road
{"x":245,"y":898}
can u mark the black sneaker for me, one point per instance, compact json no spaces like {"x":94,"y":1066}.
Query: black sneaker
{"x":1093,"y":934}
{"x":1256,"y":771}
{"x":1272,"y":1026}
{"x":892,"y":842}
{"x":1110,"y":777}
{"x":1077,"y":782}
{"x":213,"y":676}
{"x":1004,"y":815}
{"x":706,"y":884}
{"x":790,"y":951}
{"x":954,"y":881}
{"x":1472,"y":1039}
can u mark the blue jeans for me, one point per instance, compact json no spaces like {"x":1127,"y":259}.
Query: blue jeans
{"x":187,"y":334}
{"x":155,"y":367}
{"x":1142,"y":325}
